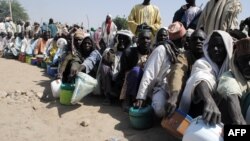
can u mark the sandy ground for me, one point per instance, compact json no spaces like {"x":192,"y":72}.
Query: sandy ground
{"x":24,"y":117}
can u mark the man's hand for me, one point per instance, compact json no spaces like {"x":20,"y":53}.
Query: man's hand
{"x":82,"y":68}
{"x":211,"y":113}
{"x":73,"y":71}
{"x":170,"y":104}
{"x":59,"y":76}
{"x":139,"y":103}
{"x":141,"y":26}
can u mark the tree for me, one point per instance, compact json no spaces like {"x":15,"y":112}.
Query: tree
{"x":120,"y":22}
{"x":18,"y":12}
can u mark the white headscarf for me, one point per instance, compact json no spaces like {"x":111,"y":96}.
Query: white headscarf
{"x":243,"y":83}
{"x":127,"y":33}
{"x":206,"y":70}
{"x":228,"y":41}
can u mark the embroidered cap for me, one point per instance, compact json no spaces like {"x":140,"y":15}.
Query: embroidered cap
{"x":176,"y":30}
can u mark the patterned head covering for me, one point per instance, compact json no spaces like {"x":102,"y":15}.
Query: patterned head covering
{"x":176,"y":30}
{"x":79,"y":34}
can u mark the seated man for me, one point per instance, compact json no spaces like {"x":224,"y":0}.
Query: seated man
{"x":181,"y":70}
{"x":83,"y":57}
{"x":161,"y":35}
{"x":110,"y":66}
{"x":198,"y":96}
{"x":234,"y":85}
{"x":8,"y":45}
{"x":42,"y":43}
{"x":51,"y":50}
{"x":153,"y":81}
{"x":132,"y":65}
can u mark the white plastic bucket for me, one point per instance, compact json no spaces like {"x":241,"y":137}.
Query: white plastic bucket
{"x":55,"y":87}
{"x":199,"y":131}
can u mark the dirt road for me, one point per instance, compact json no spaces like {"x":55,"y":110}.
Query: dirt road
{"x":24,"y":117}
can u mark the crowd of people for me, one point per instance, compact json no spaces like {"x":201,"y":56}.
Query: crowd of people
{"x":199,"y":64}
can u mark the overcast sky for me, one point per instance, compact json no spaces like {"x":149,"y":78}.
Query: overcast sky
{"x":93,"y":12}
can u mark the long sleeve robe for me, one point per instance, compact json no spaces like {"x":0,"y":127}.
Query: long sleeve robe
{"x":149,"y":14}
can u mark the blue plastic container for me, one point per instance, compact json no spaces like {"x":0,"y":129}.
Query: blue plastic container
{"x":33,"y":61}
{"x":52,"y":71}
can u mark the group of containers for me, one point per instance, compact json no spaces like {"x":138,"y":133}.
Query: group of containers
{"x":38,"y":61}
{"x":65,"y":90}
{"x":179,"y":125}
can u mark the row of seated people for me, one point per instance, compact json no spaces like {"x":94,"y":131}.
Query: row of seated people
{"x":212,"y":71}
{"x":167,"y":76}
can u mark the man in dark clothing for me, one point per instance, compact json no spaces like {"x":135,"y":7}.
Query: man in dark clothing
{"x":244,"y":23}
{"x":111,"y":80}
{"x":83,"y":57}
{"x":132,"y":65}
{"x":188,"y":14}
{"x":52,"y":28}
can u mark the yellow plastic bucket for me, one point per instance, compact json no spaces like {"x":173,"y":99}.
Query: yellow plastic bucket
{"x":28,"y":59}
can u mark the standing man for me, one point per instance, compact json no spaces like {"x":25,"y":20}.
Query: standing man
{"x":219,"y":15}
{"x":188,"y":14}
{"x":52,"y":27}
{"x":245,"y":23}
{"x":144,"y":14}
{"x":109,"y":30}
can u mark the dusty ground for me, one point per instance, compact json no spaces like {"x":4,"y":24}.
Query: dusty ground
{"x":24,"y":117}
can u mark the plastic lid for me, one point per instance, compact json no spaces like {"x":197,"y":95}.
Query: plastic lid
{"x":148,"y":110}
{"x":67,"y":86}
{"x":184,"y":114}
